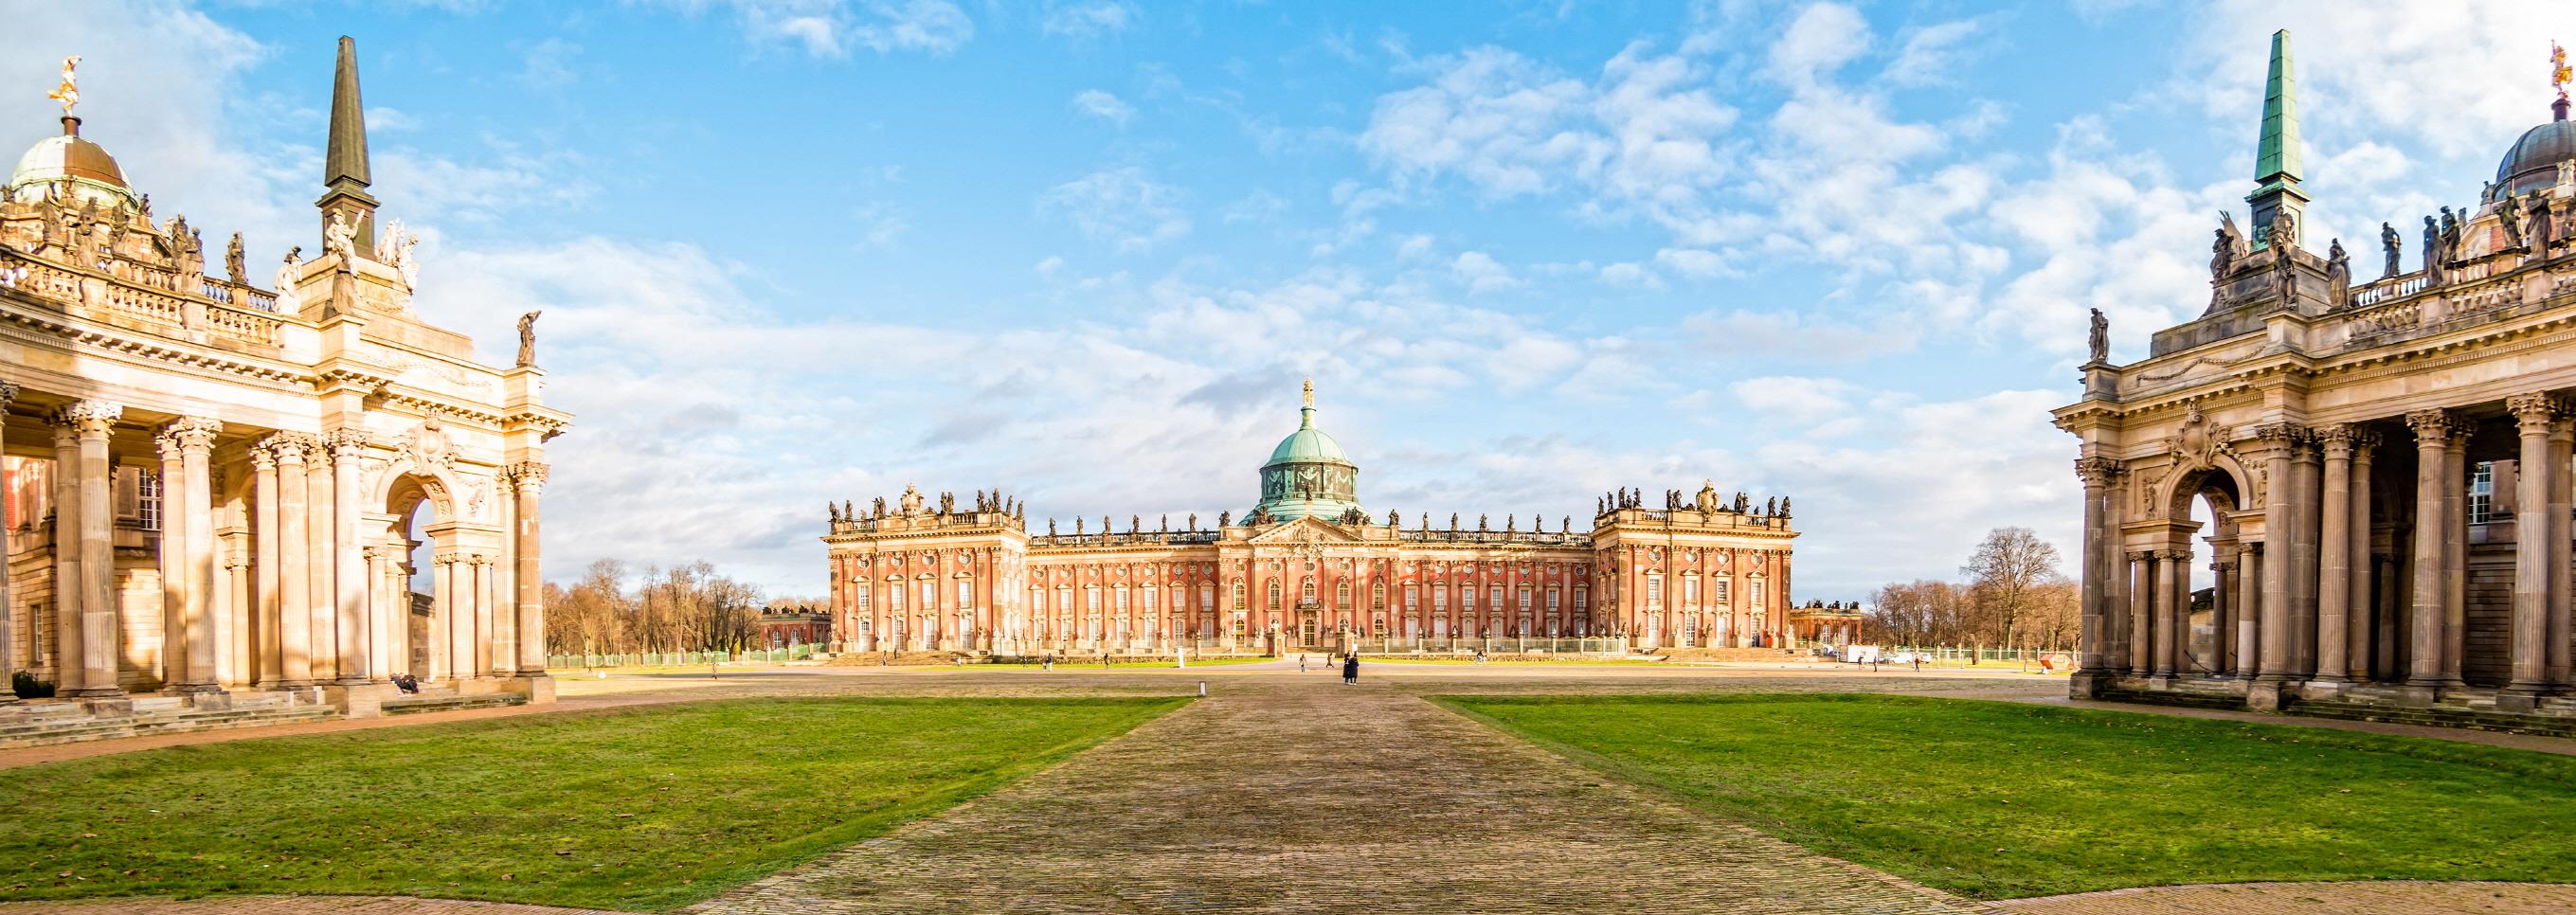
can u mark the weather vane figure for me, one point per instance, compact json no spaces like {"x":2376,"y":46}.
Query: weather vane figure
{"x":69,"y":92}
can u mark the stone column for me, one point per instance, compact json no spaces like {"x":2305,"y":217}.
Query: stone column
{"x":2093,"y":632}
{"x":320,"y":566}
{"x":2178,"y":608}
{"x":2390,"y":605}
{"x":2222,"y":608}
{"x":8,"y":620}
{"x":195,"y":514}
{"x":444,"y":661}
{"x":2249,"y":610}
{"x":2280,"y":526}
{"x":2562,"y":441}
{"x":356,"y":635}
{"x":488,"y":615}
{"x":2455,"y":552}
{"x":171,"y":559}
{"x":2535,"y":582}
{"x":295,"y":554}
{"x":92,"y":420}
{"x":528,"y":481}
{"x":2306,"y":499}
{"x":2334,"y":584}
{"x":505,"y":579}
{"x":264,"y":562}
{"x":2165,"y":564}
{"x":2359,"y":600}
{"x":2434,"y":431}
{"x":2142,"y":609}
{"x":67,"y":577}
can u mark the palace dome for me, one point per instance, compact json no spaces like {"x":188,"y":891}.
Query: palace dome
{"x":67,"y":155}
{"x":2532,"y":163}
{"x":1308,"y":475}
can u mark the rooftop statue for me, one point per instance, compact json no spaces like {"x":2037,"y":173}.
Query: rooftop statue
{"x":69,"y":92}
{"x":528,"y":345}
{"x":2389,"y":240}
{"x":2100,"y":342}
{"x":286,"y":275}
{"x":2338,"y":275}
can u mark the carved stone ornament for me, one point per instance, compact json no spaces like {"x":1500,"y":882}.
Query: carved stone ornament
{"x":427,"y":446}
{"x":2097,"y":471}
{"x":2192,"y":445}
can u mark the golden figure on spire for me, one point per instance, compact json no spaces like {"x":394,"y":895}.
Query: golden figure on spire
{"x":1310,"y":392}
{"x":69,"y":92}
{"x":2559,"y":70}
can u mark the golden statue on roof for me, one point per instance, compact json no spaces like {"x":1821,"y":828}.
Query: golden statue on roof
{"x":1310,"y":392}
{"x":2559,"y":74}
{"x":69,"y":92}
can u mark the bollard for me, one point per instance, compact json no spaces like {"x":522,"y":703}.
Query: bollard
{"x":1202,"y":689}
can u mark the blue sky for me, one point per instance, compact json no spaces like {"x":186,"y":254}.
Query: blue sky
{"x":799,"y":250}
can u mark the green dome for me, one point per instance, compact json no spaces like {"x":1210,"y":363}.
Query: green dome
{"x":1308,"y":444}
{"x":1308,"y":475}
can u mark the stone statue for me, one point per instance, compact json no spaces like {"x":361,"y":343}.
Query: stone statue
{"x":1225,"y":518}
{"x":1134,"y":523}
{"x":2450,"y":235}
{"x":910,"y":500}
{"x":2540,"y":228}
{"x":2285,"y":259}
{"x":1194,"y":522}
{"x":1050,"y":527}
{"x":528,"y":339}
{"x":2222,"y":252}
{"x":1167,"y":524}
{"x":1511,"y":523}
{"x":2432,"y":253}
{"x":2338,"y":275}
{"x":1784,"y":508}
{"x":1565,"y":525}
{"x":388,"y":241}
{"x":948,"y":504}
{"x":2100,"y":342}
{"x":1077,"y":525}
{"x":2509,"y":217}
{"x":2391,"y":244}
{"x":880,"y":508}
{"x":341,"y":239}
{"x":1771,"y":506}
{"x":286,"y":276}
{"x":1393,"y":519}
{"x":233,"y":266}
{"x":406,"y":265}
{"x":1453,"y":521}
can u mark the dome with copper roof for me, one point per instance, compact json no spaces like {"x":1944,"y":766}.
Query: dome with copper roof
{"x":67,"y":157}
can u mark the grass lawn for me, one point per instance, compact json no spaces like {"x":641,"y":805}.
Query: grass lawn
{"x":1115,"y":665}
{"x":1998,"y":800}
{"x":649,"y":808}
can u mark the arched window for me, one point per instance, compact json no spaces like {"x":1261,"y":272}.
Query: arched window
{"x":1306,"y":591}
{"x":1654,"y":589}
{"x":1342,"y":595}
{"x":1377,"y":595}
{"x":1238,"y":595}
{"x":1274,"y":594}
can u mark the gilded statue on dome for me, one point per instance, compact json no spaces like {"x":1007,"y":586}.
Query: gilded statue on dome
{"x":69,"y":92}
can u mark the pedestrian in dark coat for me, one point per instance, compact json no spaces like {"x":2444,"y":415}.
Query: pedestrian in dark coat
{"x":1351,"y":669}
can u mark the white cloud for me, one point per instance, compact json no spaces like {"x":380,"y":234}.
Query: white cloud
{"x":1693,"y":262}
{"x":1481,"y":272}
{"x":1122,"y":206}
{"x":549,"y":65}
{"x":831,"y":28}
{"x":1822,"y":38}
{"x":1091,"y":20}
{"x":1632,"y":275}
{"x":1932,"y":52}
{"x":1104,"y":106}
{"x":1803,"y":399}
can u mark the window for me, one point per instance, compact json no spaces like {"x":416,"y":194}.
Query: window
{"x":1238,"y":595}
{"x":1412,"y":597}
{"x":863,"y":597}
{"x":1690,"y":591}
{"x":1579,"y":595}
{"x":1342,"y":595}
{"x":1122,"y":599}
{"x":1274,"y":594}
{"x":1655,"y":590}
{"x":1306,"y":591}
{"x":1091,"y":598}
{"x":965,"y":592}
{"x":2481,"y":493}
{"x":1149,"y":598}
{"x":1207,"y":597}
{"x":1718,"y":590}
{"x":147,"y":509}
{"x":1525,"y":598}
{"x":929,"y":594}
{"x":1552,"y":595}
{"x":1757,"y":594}
{"x":1440,"y":599}
{"x":1377,"y":595}
{"x":1494,"y":598}
{"x":894,"y":596}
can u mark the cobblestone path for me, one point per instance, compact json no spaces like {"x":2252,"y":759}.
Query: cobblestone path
{"x":1309,"y":796}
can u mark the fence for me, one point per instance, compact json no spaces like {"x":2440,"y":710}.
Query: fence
{"x":681,"y":658}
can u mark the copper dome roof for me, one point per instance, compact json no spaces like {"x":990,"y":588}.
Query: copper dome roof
{"x":2532,"y":163}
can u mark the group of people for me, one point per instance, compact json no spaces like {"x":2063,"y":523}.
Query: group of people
{"x":1350,"y":667}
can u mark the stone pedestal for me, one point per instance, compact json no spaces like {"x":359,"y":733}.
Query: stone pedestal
{"x":538,"y":688}
{"x":2267,"y":695}
{"x":2087,"y":684}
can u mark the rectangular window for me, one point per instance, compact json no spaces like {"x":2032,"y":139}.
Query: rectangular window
{"x":1440,"y":599}
{"x":1552,"y":596}
{"x":147,"y":509}
{"x":1494,"y":598}
{"x":1690,"y":591}
{"x":1581,"y":595}
{"x":929,"y":594}
{"x":1655,"y":590}
{"x":965,"y":592}
{"x":1122,"y":598}
{"x":1757,"y":594}
{"x":863,"y":597}
{"x":894,"y":596}
{"x":1092,"y":599}
{"x":1149,"y":598}
{"x":1719,"y":590}
{"x":2482,"y":493}
{"x":1412,"y":597}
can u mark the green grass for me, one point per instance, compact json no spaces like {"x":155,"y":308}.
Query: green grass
{"x":649,"y":808}
{"x":1118,"y":665}
{"x":2000,"y":800}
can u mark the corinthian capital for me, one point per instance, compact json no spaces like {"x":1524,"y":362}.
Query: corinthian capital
{"x":8,"y":392}
{"x":346,"y":443}
{"x":2535,"y":411}
{"x":90,"y":417}
{"x":2435,"y":425}
{"x":188,"y":433}
{"x":2097,"y":471}
{"x":528,"y":475}
{"x":288,"y":447}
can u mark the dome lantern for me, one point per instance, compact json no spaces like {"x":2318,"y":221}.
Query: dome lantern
{"x":1308,"y":475}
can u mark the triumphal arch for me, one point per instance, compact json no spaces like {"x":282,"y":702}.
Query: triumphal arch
{"x":2373,"y":474}
{"x":232,"y":490}
{"x":1309,"y":569}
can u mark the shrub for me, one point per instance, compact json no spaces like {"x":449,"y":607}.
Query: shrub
{"x":29,"y":686}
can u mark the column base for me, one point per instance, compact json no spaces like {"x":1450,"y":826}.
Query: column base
{"x":110,"y":707}
{"x":200,"y":689}
{"x":538,"y":687}
{"x":93,"y":693}
{"x":2520,"y":697}
{"x":2268,"y":693}
{"x":209,"y":700}
{"x":2419,"y":694}
{"x":2088,"y":684}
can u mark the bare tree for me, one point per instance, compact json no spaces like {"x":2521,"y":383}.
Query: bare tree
{"x":2005,"y":573}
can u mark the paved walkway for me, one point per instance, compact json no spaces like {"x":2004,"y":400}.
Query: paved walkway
{"x":1315,"y":797}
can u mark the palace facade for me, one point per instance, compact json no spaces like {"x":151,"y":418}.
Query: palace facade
{"x":2374,"y":472}
{"x":229,"y":494}
{"x":1308,"y":568}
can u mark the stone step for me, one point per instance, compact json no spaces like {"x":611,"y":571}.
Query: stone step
{"x":423,"y":704}
{"x":26,"y":735}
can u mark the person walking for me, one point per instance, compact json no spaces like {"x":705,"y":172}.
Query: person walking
{"x":1351,"y":669}
{"x":1301,"y":662}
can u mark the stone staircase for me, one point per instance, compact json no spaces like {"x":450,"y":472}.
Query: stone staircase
{"x":43,"y":723}
{"x":2179,"y":699}
{"x":2555,"y":717}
